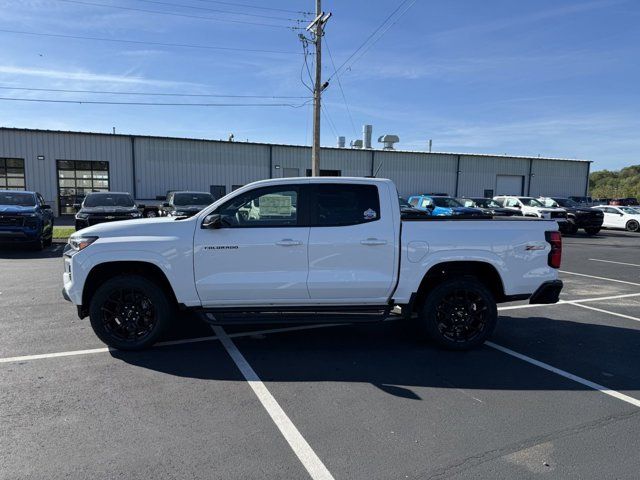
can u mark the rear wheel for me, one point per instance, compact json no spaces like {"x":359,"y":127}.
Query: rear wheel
{"x":129,"y":312}
{"x":459,"y":314}
{"x":571,"y":228}
{"x":151,"y":214}
{"x":633,"y":226}
{"x":592,"y":230}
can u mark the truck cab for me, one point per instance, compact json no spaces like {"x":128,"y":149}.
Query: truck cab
{"x":25,"y":219}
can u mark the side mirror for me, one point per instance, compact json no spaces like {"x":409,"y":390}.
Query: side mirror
{"x":431,"y":207}
{"x":517,"y":206}
{"x":212,"y":221}
{"x":77,"y":206}
{"x":46,"y":207}
{"x":165,"y":204}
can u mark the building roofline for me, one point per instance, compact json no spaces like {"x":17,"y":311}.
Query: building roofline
{"x":161,"y":137}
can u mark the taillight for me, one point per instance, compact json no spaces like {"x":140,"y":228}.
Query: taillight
{"x":555,"y":255}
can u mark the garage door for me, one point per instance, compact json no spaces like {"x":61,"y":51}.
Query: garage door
{"x":509,"y":184}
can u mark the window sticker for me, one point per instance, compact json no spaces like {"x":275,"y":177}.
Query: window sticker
{"x":370,"y":214}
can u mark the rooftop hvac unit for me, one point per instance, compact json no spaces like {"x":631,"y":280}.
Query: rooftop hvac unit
{"x":356,"y":143}
{"x":388,"y":141}
{"x":341,"y":142}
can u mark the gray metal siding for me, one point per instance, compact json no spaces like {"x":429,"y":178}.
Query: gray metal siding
{"x":41,"y":174}
{"x":351,"y":163}
{"x":478,"y":174}
{"x":552,"y":177}
{"x":167,"y":164}
{"x":415,"y":173}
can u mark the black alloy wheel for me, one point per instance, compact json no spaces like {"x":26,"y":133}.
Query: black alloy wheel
{"x":459,"y":314}
{"x":129,"y":312}
{"x":633,"y":226}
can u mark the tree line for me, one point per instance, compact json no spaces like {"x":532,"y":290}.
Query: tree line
{"x":615,"y":184}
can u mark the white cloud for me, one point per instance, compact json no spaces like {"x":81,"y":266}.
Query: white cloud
{"x":84,"y":76}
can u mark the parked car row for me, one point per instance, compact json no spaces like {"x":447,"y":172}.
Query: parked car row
{"x":26,"y":219}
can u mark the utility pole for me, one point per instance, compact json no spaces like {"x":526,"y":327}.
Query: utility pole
{"x":317,"y":28}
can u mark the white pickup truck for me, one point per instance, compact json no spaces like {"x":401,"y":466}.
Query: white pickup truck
{"x":309,"y":250}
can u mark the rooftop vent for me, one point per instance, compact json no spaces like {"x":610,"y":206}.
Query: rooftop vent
{"x":367,"y":131}
{"x":356,"y":143}
{"x":388,"y":141}
{"x":341,"y":142}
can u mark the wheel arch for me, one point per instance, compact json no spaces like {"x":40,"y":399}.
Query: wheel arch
{"x":102,"y":272}
{"x":484,"y":272}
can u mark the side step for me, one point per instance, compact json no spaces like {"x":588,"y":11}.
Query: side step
{"x":231,"y":317}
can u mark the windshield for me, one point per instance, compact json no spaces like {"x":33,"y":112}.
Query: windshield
{"x":185,"y":199}
{"x":486,"y":203}
{"x":530,"y":202}
{"x":630,"y":210}
{"x":548,"y":202}
{"x":446,"y":202}
{"x":108,"y":200}
{"x":403,"y":203}
{"x":566,"y":202}
{"x":17,"y":198}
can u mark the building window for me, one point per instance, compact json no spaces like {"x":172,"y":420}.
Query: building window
{"x":12,"y":174}
{"x":76,"y":178}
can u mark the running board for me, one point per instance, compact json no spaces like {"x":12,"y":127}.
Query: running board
{"x":297,"y":316}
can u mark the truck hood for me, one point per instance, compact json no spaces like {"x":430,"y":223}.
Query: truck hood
{"x":13,"y":209}
{"x":143,"y":227}
{"x":91,"y":210}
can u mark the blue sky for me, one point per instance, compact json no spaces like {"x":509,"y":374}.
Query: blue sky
{"x":547,"y":77}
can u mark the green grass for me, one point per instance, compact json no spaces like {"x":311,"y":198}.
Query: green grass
{"x":62,"y":232}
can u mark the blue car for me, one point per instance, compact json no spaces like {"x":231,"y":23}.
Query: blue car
{"x":25,"y":219}
{"x":441,"y":206}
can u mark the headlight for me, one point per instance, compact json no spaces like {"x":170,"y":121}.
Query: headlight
{"x":30,"y":215}
{"x":82,"y":216}
{"x":135,"y":214}
{"x":80,"y":242}
{"x":177,"y":213}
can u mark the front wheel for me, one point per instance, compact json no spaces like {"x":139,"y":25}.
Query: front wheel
{"x":459,"y":314}
{"x":129,"y":312}
{"x":633,"y":226}
{"x":151,"y":214}
{"x":592,"y":230}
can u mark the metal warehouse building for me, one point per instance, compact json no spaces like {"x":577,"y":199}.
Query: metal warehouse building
{"x":63,"y":166}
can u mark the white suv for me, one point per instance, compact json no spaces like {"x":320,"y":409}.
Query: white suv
{"x":621,"y":217}
{"x":531,"y":207}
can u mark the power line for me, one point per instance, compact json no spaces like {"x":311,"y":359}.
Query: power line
{"x":362,"y":54}
{"x":255,"y":6}
{"x":110,"y":92}
{"x":157,"y":44}
{"x":344,"y":98}
{"x":173,"y":14}
{"x":257,"y":15}
{"x":331,"y":124}
{"x":402,"y":3}
{"x":154,"y":104}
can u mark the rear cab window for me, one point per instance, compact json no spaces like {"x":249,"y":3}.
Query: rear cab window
{"x":342,"y":204}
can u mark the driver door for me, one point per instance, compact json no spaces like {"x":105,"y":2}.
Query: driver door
{"x":259,"y":254}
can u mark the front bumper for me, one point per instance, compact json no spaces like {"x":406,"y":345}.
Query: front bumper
{"x":19,"y":234}
{"x":548,"y":292}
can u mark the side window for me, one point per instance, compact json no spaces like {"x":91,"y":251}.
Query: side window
{"x":510,"y":202}
{"x":338,"y":205}
{"x":414,"y":202}
{"x":263,"y":207}
{"x":468,"y":203}
{"x":425,"y":202}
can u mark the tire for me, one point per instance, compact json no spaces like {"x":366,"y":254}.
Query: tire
{"x":464,"y":296}
{"x":38,"y":245}
{"x":592,"y":230}
{"x":571,"y":228}
{"x":151,"y":214}
{"x":133,"y":300}
{"x":632,"y":226}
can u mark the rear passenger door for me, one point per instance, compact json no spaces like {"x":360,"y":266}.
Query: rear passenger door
{"x":352,"y":244}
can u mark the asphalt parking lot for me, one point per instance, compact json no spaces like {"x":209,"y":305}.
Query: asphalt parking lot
{"x":555,"y":393}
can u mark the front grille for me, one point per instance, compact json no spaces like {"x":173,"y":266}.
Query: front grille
{"x":11,"y":221}
{"x":558,"y":215}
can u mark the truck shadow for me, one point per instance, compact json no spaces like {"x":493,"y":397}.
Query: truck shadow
{"x":391,"y":357}
{"x":20,"y":252}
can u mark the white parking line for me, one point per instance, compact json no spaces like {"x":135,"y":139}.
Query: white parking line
{"x":617,"y":263}
{"x":588,"y":383}
{"x":564,"y":302}
{"x":294,"y":438}
{"x":600,"y":278}
{"x":184,"y":341}
{"x":615,"y":314}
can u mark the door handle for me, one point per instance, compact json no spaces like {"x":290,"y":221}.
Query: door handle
{"x":288,"y":242}
{"x":373,"y":241}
